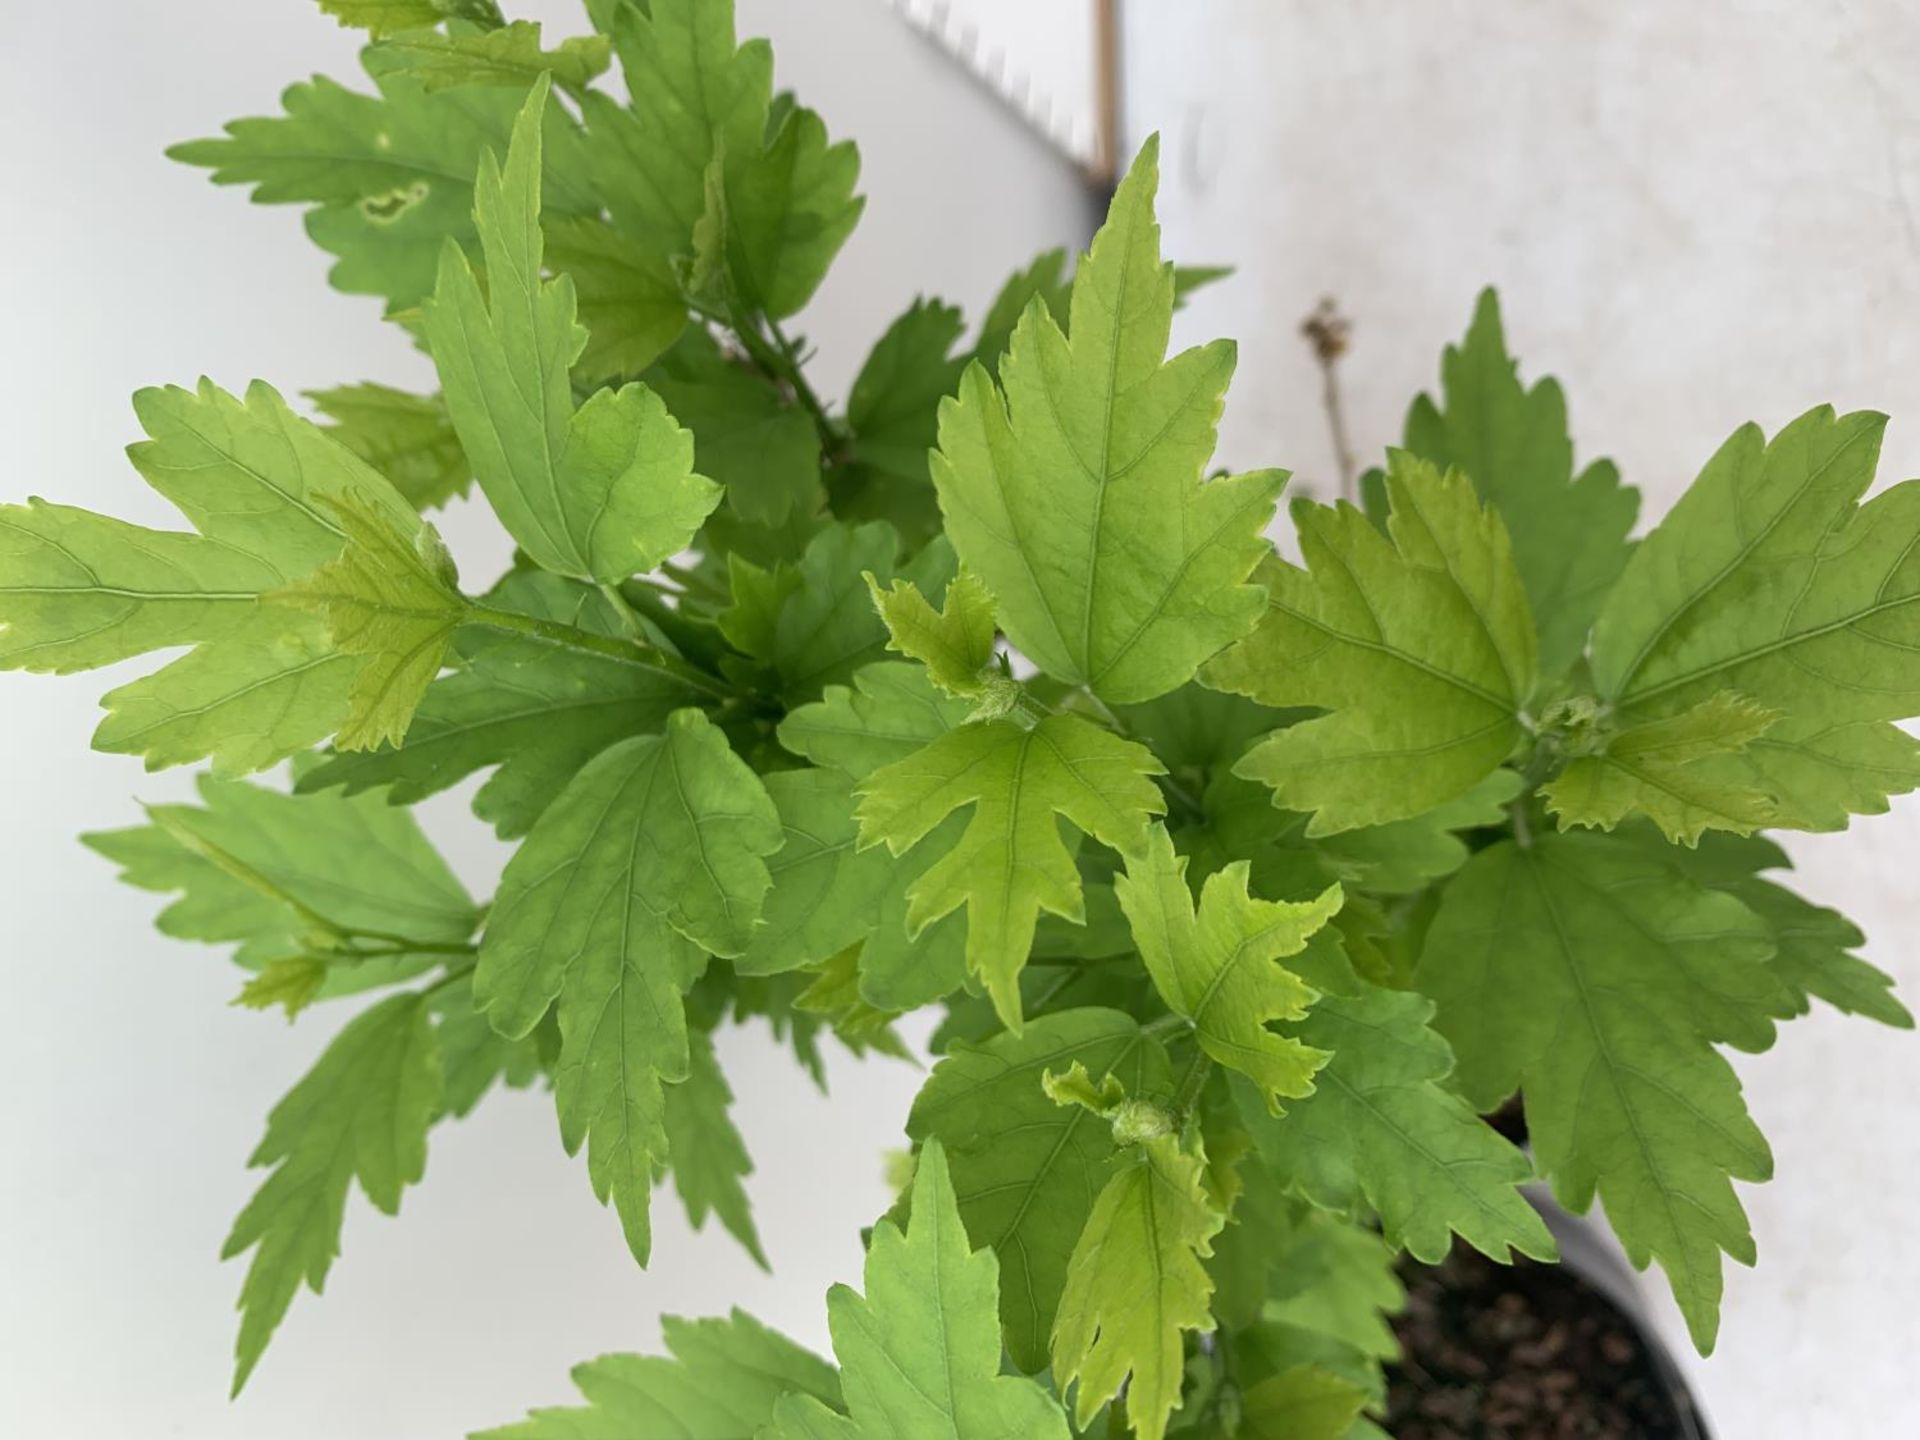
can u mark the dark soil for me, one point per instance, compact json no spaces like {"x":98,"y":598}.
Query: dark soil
{"x":1521,"y":1352}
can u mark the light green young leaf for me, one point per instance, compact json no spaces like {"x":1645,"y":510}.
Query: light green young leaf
{"x":1074,"y":487}
{"x":1419,"y":641}
{"x":1569,"y":534}
{"x":537,"y":710}
{"x":1025,"y":1169}
{"x":709,"y":1157}
{"x":955,"y":642}
{"x":893,"y":413}
{"x":722,"y":1379}
{"x":390,"y":175}
{"x":1011,"y":862}
{"x":1651,"y":769}
{"x":1771,"y":580}
{"x":1135,"y":1284}
{"x":292,"y":982}
{"x":1220,"y":967}
{"x":889,"y":712}
{"x":1381,"y":1133}
{"x":361,"y":1114}
{"x":1597,"y":979}
{"x":652,"y":856}
{"x":393,"y":597}
{"x":79,"y":590}
{"x":407,"y":438}
{"x":510,"y":55}
{"x":920,"y":1351}
{"x":746,"y":435}
{"x":598,"y":493}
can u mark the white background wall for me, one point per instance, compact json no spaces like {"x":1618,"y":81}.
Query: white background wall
{"x":1697,"y":214}
{"x":130,"y":1094}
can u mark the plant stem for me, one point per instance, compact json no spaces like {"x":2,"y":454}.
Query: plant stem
{"x":1328,"y":331}
{"x":455,"y":974}
{"x":1191,"y":1084}
{"x":779,"y":361}
{"x":628,"y":651}
{"x":1165,"y":1025}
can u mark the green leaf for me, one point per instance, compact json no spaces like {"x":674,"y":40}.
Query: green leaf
{"x":262,"y":681}
{"x":1220,"y":967}
{"x":695,"y":95}
{"x":920,"y":1351}
{"x":1403,"y":856}
{"x":1305,"y":1402}
{"x":824,"y":891}
{"x":652,"y":856}
{"x":537,"y":710}
{"x":1771,"y":580}
{"x":384,"y":17}
{"x":360,"y":1114}
{"x":1569,"y":534}
{"x":1651,"y":769}
{"x":284,"y":876}
{"x":787,"y":210}
{"x":955,"y":642}
{"x":1025,"y":1169}
{"x":1044,"y":280}
{"x":1135,"y":1284}
{"x":1011,"y":863}
{"x":722,"y":1380}
{"x":1597,"y":979}
{"x":627,"y":297}
{"x":391,"y":175}
{"x":891,"y":711}
{"x":474,"y":1056}
{"x":510,"y":55}
{"x":392,"y":596}
{"x":702,"y":148}
{"x":1074,"y":490}
{"x":407,"y":438}
{"x":1812,"y":944}
{"x":765,"y":451}
{"x":1419,"y":641}
{"x":1382,"y":1133}
{"x":823,"y":626}
{"x":598,"y":493}
{"x":893,"y":413}
{"x":709,"y":1157}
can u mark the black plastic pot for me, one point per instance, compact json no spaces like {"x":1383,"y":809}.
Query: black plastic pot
{"x":1582,"y":1327}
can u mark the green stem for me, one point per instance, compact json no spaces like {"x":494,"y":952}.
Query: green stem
{"x":627,"y":651}
{"x":1191,"y":1084}
{"x":629,"y":621}
{"x":779,"y":361}
{"x":455,"y":974}
{"x":1165,"y":1025}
